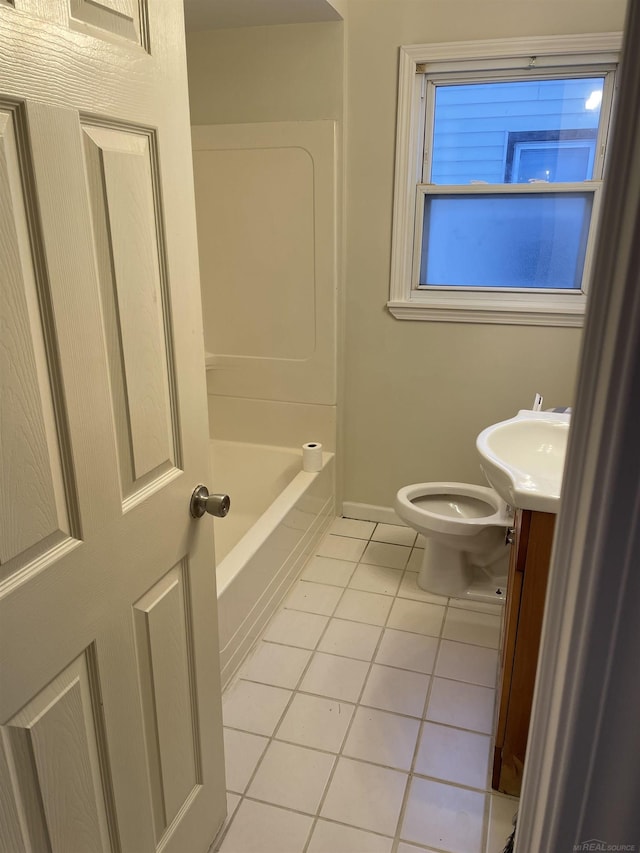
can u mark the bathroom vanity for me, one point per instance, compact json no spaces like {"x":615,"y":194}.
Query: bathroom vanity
{"x":532,"y":538}
{"x":523,"y":459}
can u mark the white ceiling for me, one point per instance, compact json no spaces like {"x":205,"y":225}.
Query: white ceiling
{"x":222,"y":14}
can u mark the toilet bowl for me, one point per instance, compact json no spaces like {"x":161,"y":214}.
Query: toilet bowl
{"x":464,"y":526}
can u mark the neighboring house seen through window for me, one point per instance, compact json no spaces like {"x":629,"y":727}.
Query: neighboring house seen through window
{"x":497,"y":188}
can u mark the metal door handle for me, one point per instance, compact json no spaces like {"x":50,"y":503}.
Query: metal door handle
{"x":202,"y":501}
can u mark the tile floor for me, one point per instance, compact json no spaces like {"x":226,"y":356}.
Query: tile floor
{"x":361,"y":721}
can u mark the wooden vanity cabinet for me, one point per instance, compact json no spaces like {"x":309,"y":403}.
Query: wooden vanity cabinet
{"x":527,"y":586}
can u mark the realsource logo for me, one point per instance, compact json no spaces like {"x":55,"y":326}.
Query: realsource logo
{"x":595,"y":844}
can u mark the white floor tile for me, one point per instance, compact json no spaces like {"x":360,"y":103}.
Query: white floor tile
{"x":395,"y":534}
{"x":396,"y":690}
{"x":469,"y":626}
{"x":340,"y":609}
{"x":382,"y":738}
{"x":258,"y":828}
{"x":365,"y":796}
{"x":254,"y":707}
{"x":352,"y":527}
{"x":376,"y":579}
{"x":463,"y":662}
{"x":295,"y":628}
{"x":501,"y":812}
{"x":409,"y":589}
{"x":366,"y":607}
{"x":335,"y":838}
{"x":421,"y":617}
{"x":316,"y":722}
{"x":464,"y":705}
{"x":329,"y":570}
{"x":407,"y":651}
{"x":292,"y":776}
{"x":242,"y":752}
{"x":274,"y":664}
{"x":382,"y":554}
{"x":313,"y":598}
{"x":336,"y":677}
{"x":351,"y":639}
{"x":453,"y":755}
{"x":341,"y":547}
{"x":444,"y":816}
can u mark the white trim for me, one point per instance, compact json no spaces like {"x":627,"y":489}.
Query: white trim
{"x":606,"y":44}
{"x":498,"y":314}
{"x":581,"y":774}
{"x":597,"y":49}
{"x":370,"y":512}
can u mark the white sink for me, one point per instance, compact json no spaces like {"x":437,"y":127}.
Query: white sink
{"x":523,"y":458}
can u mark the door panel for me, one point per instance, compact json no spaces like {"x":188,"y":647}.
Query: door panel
{"x":110,"y":717}
{"x":164,"y":645}
{"x":130,"y":253}
{"x":123,"y":18}
{"x":52,"y":744}
{"x":33,"y":493}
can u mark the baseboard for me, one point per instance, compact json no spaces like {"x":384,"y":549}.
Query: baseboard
{"x":370,"y":512}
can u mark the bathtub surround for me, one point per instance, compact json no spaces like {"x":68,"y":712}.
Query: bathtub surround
{"x":362,"y":717}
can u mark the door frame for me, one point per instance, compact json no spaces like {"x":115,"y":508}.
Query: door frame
{"x":581,"y":772}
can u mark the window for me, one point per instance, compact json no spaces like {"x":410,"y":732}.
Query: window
{"x":500,"y":154}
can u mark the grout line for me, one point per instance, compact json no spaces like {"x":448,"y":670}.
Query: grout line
{"x":358,"y":703}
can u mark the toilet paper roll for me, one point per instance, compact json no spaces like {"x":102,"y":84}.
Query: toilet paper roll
{"x":312,"y":456}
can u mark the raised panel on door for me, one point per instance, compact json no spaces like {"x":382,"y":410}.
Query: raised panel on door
{"x":164,"y":643}
{"x":118,"y":21}
{"x":126,"y":19}
{"x":55,"y":751}
{"x":38,"y":504}
{"x":127,"y":225}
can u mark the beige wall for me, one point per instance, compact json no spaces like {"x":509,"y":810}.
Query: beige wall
{"x":417,"y":393}
{"x":251,"y":74}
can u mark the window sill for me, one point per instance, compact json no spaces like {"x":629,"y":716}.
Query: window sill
{"x":513,"y":309}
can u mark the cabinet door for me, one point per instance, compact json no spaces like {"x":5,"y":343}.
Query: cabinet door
{"x":512,"y":605}
{"x":522,"y":643}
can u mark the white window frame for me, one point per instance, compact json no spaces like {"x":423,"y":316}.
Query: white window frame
{"x":531,"y":145}
{"x":547,"y":56}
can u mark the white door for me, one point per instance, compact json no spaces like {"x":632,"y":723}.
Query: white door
{"x":111,"y":736}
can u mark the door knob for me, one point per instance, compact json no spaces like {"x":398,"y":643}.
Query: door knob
{"x":202,"y":501}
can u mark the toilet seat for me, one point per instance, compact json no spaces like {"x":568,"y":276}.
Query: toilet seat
{"x":437,"y":518}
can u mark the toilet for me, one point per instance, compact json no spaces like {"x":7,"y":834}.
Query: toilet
{"x":466,"y":551}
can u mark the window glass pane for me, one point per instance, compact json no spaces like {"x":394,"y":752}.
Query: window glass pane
{"x":516,"y":131}
{"x":505,"y":240}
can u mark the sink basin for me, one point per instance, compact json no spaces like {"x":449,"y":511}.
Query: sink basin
{"x":523,"y":458}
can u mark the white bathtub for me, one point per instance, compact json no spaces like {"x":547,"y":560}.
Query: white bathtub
{"x":278,"y":514}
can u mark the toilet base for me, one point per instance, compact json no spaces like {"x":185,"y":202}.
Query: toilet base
{"x":447,"y":571}
{"x":444,"y":570}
